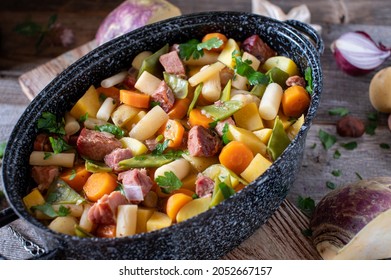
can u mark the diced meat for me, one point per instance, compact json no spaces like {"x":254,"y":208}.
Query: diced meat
{"x":221,"y":124}
{"x":136,"y":177}
{"x":104,"y":211}
{"x":164,"y":96}
{"x":131,"y":78}
{"x":96,"y":145}
{"x":151,"y":143}
{"x":226,"y":74}
{"x":116,"y":156}
{"x":44,"y":175}
{"x":134,"y":194}
{"x":42,"y":143}
{"x":174,"y":47}
{"x":258,"y":48}
{"x":204,"y":186}
{"x":172,"y":63}
{"x":203,"y":142}
{"x":295,"y":81}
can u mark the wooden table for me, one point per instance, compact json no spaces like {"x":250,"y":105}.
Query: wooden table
{"x":281,"y":237}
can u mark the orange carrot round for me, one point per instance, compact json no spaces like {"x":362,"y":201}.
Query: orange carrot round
{"x":197,"y":118}
{"x":135,"y":99}
{"x":179,"y":109}
{"x":76,"y":177}
{"x":99,"y":184}
{"x":236,"y":156}
{"x":295,"y":101}
{"x":175,"y":202}
{"x":217,"y":35}
{"x":112,"y":92}
{"x":173,"y":131}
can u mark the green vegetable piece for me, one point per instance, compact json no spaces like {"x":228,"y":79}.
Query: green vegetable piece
{"x":152,"y":65}
{"x":226,"y":190}
{"x":169,"y":182}
{"x":145,"y":161}
{"x":47,"y":209}
{"x":308,"y":78}
{"x":195,"y":49}
{"x":350,"y":145}
{"x":197,"y":93}
{"x":306,"y":205}
{"x":339,"y":111}
{"x":226,"y":94}
{"x":111,"y":128}
{"x":217,"y":195}
{"x":278,"y":141}
{"x":94,"y":167}
{"x":48,"y":123}
{"x":278,"y":76}
{"x":243,"y":68}
{"x":178,"y":85}
{"x":327,"y":140}
{"x":2,"y":149}
{"x":81,"y":232}
{"x":258,"y":90}
{"x":60,"y":192}
{"x":59,"y":145}
{"x":222,"y":110}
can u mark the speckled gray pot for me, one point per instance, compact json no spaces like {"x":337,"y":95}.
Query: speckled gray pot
{"x":215,"y":232}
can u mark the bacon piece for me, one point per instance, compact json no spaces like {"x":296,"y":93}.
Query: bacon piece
{"x":220,"y":125}
{"x":116,"y":156}
{"x":44,"y":175}
{"x":295,"y":81}
{"x":202,"y":142}
{"x":204,"y":186}
{"x":164,"y":96}
{"x":258,"y":48}
{"x":104,"y":211}
{"x":136,"y":177}
{"x":172,"y":63}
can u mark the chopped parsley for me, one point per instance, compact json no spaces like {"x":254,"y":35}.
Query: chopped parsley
{"x":225,"y":134}
{"x":2,"y":149}
{"x":339,"y":111}
{"x":308,"y":78}
{"x":111,"y":128}
{"x":327,"y":139}
{"x":195,"y":49}
{"x":384,"y":146}
{"x":73,"y":175}
{"x":336,"y":172}
{"x":161,"y":147}
{"x":169,"y":182}
{"x":48,"y":210}
{"x":350,"y":145}
{"x":306,"y":205}
{"x":243,"y":68}
{"x":337,"y":154}
{"x":84,"y":117}
{"x":331,"y":185}
{"x":226,"y":190}
{"x":59,"y":145}
{"x":48,"y":123}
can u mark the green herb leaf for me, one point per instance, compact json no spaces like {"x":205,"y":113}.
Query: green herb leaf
{"x":308,"y":78}
{"x":370,"y":128}
{"x":189,"y":50}
{"x":212,"y":43}
{"x":84,"y":117}
{"x":47,"y":209}
{"x":47,"y":155}
{"x":225,"y":134}
{"x":339,"y":111}
{"x":120,"y":188}
{"x":244,"y":69}
{"x":337,"y":154}
{"x":350,"y":145}
{"x":63,"y":211}
{"x":384,"y":146}
{"x":306,"y":205}
{"x":161,"y":147}
{"x":336,"y":172}
{"x":307,"y":232}
{"x":331,"y":185}
{"x":111,"y":128}
{"x":73,"y":175}
{"x":358,"y":175}
{"x":327,"y":139}
{"x":226,"y":190}
{"x":48,"y":123}
{"x":2,"y":149}
{"x":28,"y":28}
{"x":374,"y":116}
{"x":169,"y":182}
{"x":59,"y":145}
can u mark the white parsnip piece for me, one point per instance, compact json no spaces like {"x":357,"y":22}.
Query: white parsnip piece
{"x":45,"y":158}
{"x":211,"y":89}
{"x":114,"y":80}
{"x":270,"y":102}
{"x":147,"y":83}
{"x":180,"y":167}
{"x":206,"y":73}
{"x":71,"y":124}
{"x":149,"y":124}
{"x":106,"y":109}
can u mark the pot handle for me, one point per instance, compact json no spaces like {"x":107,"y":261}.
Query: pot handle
{"x":7,"y":216}
{"x":309,"y":31}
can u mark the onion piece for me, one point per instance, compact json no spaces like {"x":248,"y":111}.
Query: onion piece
{"x":357,"y":53}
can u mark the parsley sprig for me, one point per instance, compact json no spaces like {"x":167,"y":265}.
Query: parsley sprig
{"x":195,"y":49}
{"x":48,"y":122}
{"x":169,"y":182}
{"x":243,"y":68}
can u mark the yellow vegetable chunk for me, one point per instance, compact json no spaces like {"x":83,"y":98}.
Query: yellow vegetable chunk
{"x":248,"y":117}
{"x":126,"y":220}
{"x":200,"y":163}
{"x":286,"y":121}
{"x":193,"y":208}
{"x":247,"y":137}
{"x":295,"y":127}
{"x":264,"y":134}
{"x":147,"y":83}
{"x":137,"y":147}
{"x":158,"y":221}
{"x":226,"y":54}
{"x":256,"y":168}
{"x":124,"y":114}
{"x":34,"y":198}
{"x":284,"y":63}
{"x":88,"y":103}
{"x":129,"y":125}
{"x":143,"y":215}
{"x":65,"y":225}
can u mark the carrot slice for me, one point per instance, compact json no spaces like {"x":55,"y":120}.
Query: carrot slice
{"x":197,"y":118}
{"x":99,"y":184}
{"x":75,"y":177}
{"x":236,"y":156}
{"x":135,"y":99}
{"x":179,"y":110}
{"x":173,"y":130}
{"x":295,"y":101}
{"x":112,"y":92}
{"x":217,"y":35}
{"x":175,"y":202}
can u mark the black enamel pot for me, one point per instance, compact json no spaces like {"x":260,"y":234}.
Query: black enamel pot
{"x":211,"y":234}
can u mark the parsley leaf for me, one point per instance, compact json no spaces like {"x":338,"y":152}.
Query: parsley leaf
{"x":384,"y":146}
{"x":83,"y":118}
{"x":212,"y":43}
{"x":336,"y":172}
{"x":244,"y":69}
{"x":339,"y":111}
{"x":48,"y":122}
{"x":195,"y":49}
{"x":169,"y":182}
{"x":306,"y":205}
{"x":327,"y":140}
{"x":47,"y":209}
{"x":59,"y":145}
{"x":331,"y":185}
{"x":226,"y":190}
{"x":225,"y":134}
{"x":111,"y":128}
{"x":308,"y":78}
{"x":73,"y":175}
{"x":161,"y":147}
{"x":350,"y":145}
{"x":2,"y":149}
{"x":337,"y":154}
{"x":63,"y":211}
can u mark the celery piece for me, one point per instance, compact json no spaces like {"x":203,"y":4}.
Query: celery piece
{"x":226,"y":95}
{"x":60,"y":192}
{"x":197,"y":93}
{"x":278,"y":76}
{"x":152,"y":65}
{"x":222,"y":110}
{"x":178,"y":85}
{"x":278,"y":141}
{"x":92,"y":166}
